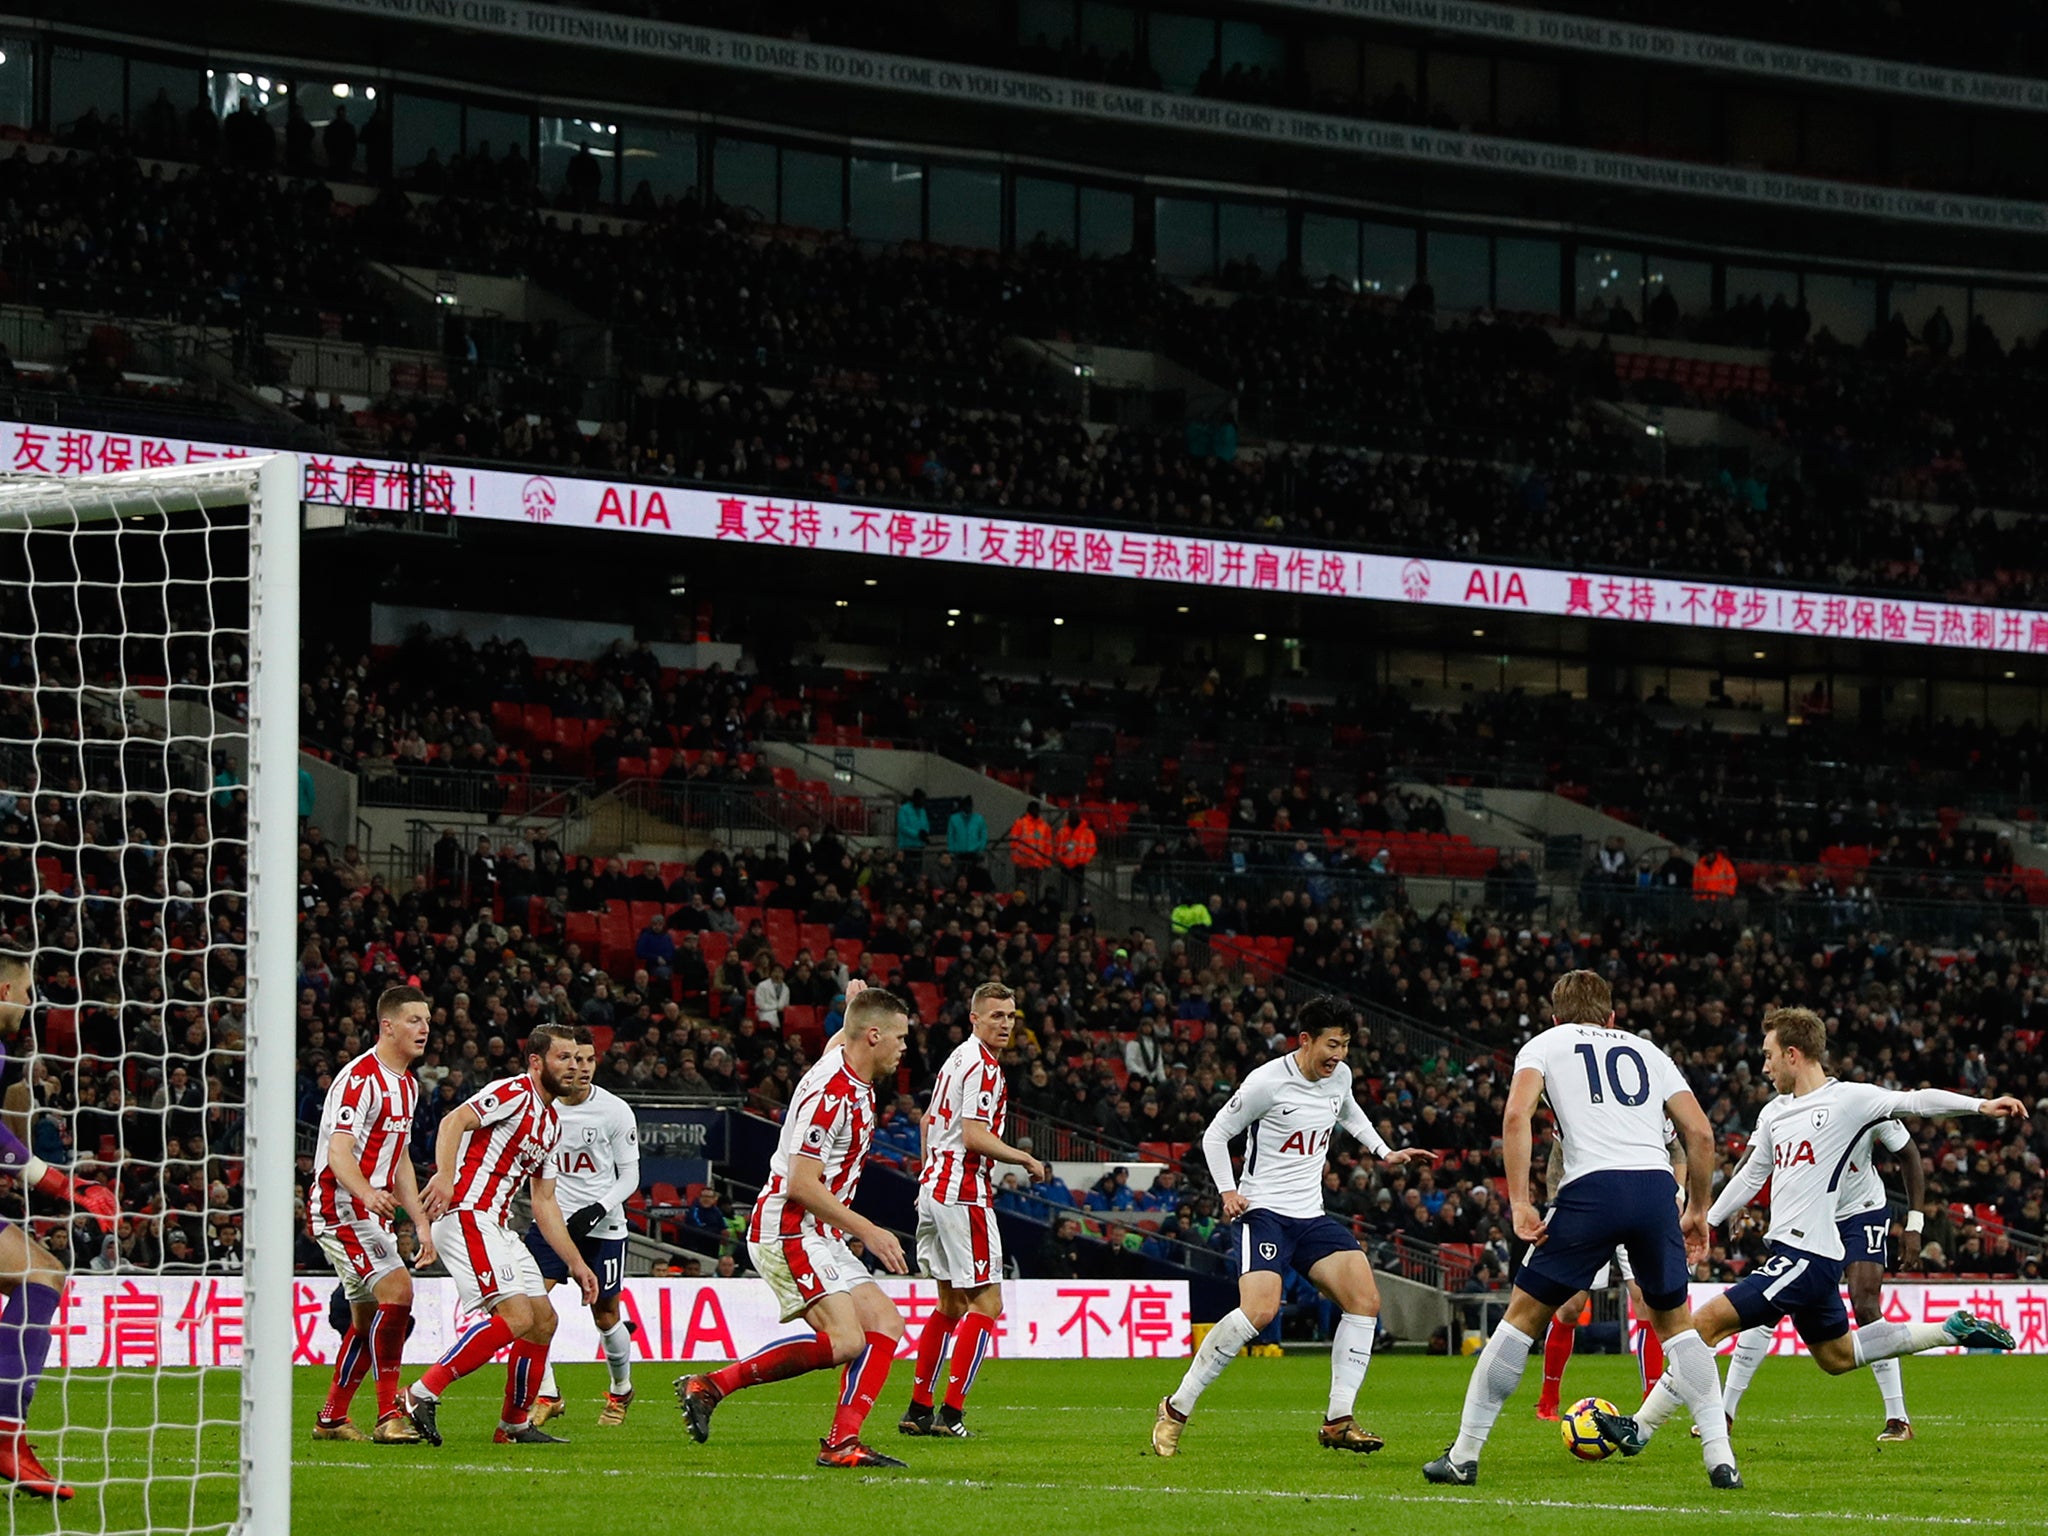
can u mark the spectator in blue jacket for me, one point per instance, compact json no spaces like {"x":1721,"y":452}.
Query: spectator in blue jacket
{"x":913,"y":827}
{"x":655,"y":949}
{"x":967,"y":833}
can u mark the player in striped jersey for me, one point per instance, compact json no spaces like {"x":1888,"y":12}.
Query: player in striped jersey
{"x":486,"y":1146}
{"x":362,"y":1175}
{"x":958,"y":1242}
{"x":797,"y":1238}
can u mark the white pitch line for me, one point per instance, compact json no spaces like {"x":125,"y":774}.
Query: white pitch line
{"x":889,"y":1480}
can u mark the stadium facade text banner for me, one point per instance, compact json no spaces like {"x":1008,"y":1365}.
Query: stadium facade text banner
{"x":137,"y":1322}
{"x":2021,"y":1305}
{"x":1132,"y":108}
{"x":935,"y":537}
{"x":1702,"y":50}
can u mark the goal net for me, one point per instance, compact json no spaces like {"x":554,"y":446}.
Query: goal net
{"x":148,"y":830}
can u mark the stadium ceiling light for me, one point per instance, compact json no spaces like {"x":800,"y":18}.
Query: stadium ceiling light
{"x":3,"y":55}
{"x":1056,"y":623}
{"x":952,"y":613}
{"x":839,"y":602}
{"x":245,"y":78}
{"x":262,"y":82}
{"x":952,"y":623}
{"x":1757,"y":655}
{"x":870,"y":582}
{"x":2012,"y":674}
{"x":1183,"y":608}
{"x":369,"y":93}
{"x":1259,"y":634}
{"x":341,"y":89}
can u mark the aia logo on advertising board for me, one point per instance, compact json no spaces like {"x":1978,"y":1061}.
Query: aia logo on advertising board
{"x":538,"y":497}
{"x":1415,"y":580}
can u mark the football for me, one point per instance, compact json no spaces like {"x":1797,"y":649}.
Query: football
{"x":1582,"y":1436}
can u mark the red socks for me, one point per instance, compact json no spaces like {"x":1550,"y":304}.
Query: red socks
{"x":349,"y":1368}
{"x":387,"y":1350}
{"x":473,"y":1349}
{"x":931,"y":1349}
{"x":778,"y":1362}
{"x":1650,"y":1352}
{"x":970,"y":1342}
{"x":1557,"y":1354}
{"x":861,"y":1384}
{"x":523,"y":1373}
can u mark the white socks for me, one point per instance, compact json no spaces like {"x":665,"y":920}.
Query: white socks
{"x":1350,"y":1354}
{"x":1882,"y":1340}
{"x":1894,"y":1390}
{"x":547,"y":1383}
{"x":618,"y":1354}
{"x":1688,"y":1358}
{"x":1221,"y":1347}
{"x":1752,"y":1347}
{"x":1494,"y":1380}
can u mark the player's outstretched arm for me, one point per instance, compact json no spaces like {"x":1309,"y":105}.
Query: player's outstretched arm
{"x":976,"y":1136}
{"x":410,"y":1202}
{"x":1355,"y":1120}
{"x":440,"y":1192}
{"x":807,"y":1187}
{"x":1914,"y":1172}
{"x":1246,"y":1105}
{"x":547,"y":1215}
{"x":348,"y":1173}
{"x":1696,"y":1138}
{"x":1517,"y":1146}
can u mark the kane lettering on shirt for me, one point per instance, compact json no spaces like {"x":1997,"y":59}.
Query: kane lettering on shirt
{"x":1804,"y":1144}
{"x":970,"y":1086}
{"x":1291,"y":1120}
{"x":1608,"y":1090}
{"x":831,"y":1118}
{"x":597,"y":1159}
{"x":372,"y":1105}
{"x":511,"y":1146}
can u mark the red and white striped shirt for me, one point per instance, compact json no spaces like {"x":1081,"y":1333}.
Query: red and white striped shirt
{"x":373,"y":1105}
{"x":971,"y":1086}
{"x":831,"y":1118}
{"x":511,"y":1146}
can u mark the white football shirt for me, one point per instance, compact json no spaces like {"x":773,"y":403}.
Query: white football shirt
{"x":597,"y":1160}
{"x":1290,"y":1120}
{"x":1608,"y":1089}
{"x":1803,"y":1144}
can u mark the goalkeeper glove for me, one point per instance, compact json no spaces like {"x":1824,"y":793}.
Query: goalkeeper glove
{"x":585,"y":1221}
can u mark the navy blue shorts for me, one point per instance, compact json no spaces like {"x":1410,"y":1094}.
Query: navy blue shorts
{"x":1863,"y":1238}
{"x":1635,"y":1209}
{"x":606,"y":1257}
{"x":1272,"y":1244}
{"x":1791,"y":1282}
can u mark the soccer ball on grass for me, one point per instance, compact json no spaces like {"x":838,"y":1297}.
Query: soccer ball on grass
{"x":1582,"y":1436}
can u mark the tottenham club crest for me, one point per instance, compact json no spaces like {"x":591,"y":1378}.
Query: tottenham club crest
{"x":1269,"y":1251}
{"x":1820,"y":1118}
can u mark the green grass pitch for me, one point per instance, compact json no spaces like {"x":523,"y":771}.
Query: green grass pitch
{"x":1063,"y":1447}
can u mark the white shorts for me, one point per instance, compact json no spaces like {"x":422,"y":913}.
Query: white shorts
{"x":959,"y":1244}
{"x":488,"y":1262}
{"x":804,"y":1269}
{"x":1620,"y":1265}
{"x":362,"y":1253}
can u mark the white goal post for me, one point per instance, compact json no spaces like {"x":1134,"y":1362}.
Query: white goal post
{"x":130,"y":565}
